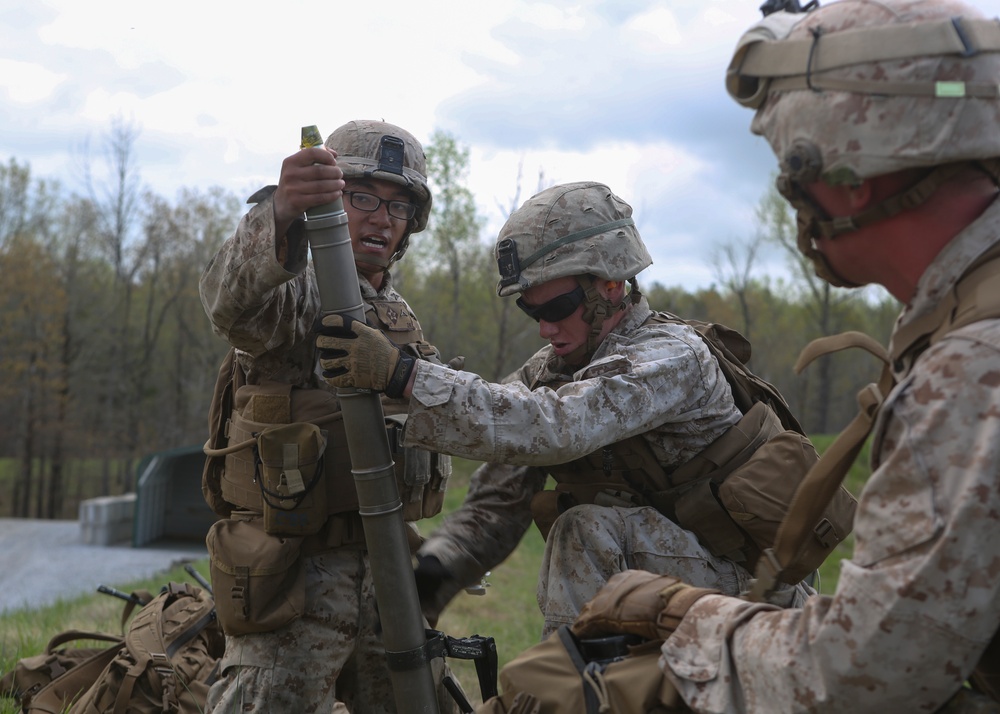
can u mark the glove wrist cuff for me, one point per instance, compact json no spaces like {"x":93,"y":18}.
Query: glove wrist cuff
{"x":400,"y":376}
{"x":678,"y":605}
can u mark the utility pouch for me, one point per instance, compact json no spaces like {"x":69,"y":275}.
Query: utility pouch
{"x":422,"y":475}
{"x":741,"y":487}
{"x":289,"y":460}
{"x":757,"y":496}
{"x":565,"y":674}
{"x":258,"y":579}
{"x":425,"y":479}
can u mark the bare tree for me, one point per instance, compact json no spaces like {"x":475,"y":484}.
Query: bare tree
{"x":453,"y":227}
{"x":825,"y":304}
{"x":116,"y":200}
{"x":734,"y":268}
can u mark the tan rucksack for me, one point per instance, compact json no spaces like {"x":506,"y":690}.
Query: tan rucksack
{"x":31,"y":675}
{"x":166,"y":662}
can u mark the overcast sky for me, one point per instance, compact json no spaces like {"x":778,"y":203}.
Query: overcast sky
{"x":627,"y":92}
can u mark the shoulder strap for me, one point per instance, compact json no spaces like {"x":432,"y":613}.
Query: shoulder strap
{"x":62,"y":691}
{"x":732,"y":351}
{"x":220,"y":410}
{"x":73,"y":635}
{"x":819,"y":486}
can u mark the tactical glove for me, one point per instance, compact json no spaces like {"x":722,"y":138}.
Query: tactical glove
{"x":353,"y":354}
{"x":431,"y":576}
{"x":639,"y":603}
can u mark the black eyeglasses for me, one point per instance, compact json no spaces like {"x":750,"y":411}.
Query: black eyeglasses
{"x":558,"y":308}
{"x":403,"y":210}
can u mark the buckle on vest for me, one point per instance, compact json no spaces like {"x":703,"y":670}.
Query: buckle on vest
{"x":825,"y":534}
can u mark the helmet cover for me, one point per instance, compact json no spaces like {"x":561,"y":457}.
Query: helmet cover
{"x":571,"y":229}
{"x":378,"y":150}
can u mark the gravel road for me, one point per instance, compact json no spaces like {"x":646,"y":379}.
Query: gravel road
{"x":42,"y":561}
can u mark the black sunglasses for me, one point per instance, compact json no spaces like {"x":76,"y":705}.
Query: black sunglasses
{"x":558,"y":308}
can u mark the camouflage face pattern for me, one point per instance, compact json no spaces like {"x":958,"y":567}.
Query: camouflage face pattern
{"x":568,"y":230}
{"x":861,"y":134}
{"x":375,"y":149}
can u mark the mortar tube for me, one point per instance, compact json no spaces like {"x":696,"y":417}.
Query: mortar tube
{"x":380,"y":506}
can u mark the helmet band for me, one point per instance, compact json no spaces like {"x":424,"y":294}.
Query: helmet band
{"x":573,"y":237}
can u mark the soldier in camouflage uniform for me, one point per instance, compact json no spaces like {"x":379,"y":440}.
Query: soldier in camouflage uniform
{"x":261,"y":294}
{"x":608,"y":375}
{"x":885,"y":117}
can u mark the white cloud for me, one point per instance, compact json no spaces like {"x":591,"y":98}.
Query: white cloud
{"x":653,"y":30}
{"x":27,"y":82}
{"x":628,"y":92}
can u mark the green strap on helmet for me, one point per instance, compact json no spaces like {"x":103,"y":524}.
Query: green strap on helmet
{"x":579,"y":235}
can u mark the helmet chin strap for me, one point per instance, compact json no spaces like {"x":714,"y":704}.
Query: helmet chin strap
{"x":369,"y":259}
{"x":597,"y":309}
{"x":382,"y":263}
{"x":815,"y":222}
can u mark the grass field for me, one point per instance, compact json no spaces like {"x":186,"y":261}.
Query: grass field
{"x":508,"y":612}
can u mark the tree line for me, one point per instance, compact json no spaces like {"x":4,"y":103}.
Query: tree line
{"x":106,"y":354}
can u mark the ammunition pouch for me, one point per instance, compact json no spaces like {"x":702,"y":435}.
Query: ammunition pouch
{"x":566,"y":674}
{"x":696,"y":497}
{"x":286,"y":457}
{"x":422,"y":475}
{"x":736,"y":507}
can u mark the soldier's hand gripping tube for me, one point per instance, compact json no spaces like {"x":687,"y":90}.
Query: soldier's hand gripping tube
{"x":378,"y":496}
{"x":355,"y":355}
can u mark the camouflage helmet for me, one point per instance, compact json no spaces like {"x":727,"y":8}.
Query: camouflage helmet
{"x":378,"y":150}
{"x":861,"y":88}
{"x":879,"y":86}
{"x":569,"y":230}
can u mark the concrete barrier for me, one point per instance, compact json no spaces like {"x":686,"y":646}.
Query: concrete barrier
{"x":107,"y":520}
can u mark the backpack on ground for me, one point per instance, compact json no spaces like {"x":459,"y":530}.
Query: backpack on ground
{"x":32,"y":674}
{"x":166,"y":662}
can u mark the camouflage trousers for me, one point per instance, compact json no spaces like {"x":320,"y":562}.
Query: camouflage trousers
{"x":588,"y":544}
{"x":331,"y":660}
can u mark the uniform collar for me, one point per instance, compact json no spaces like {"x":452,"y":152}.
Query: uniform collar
{"x":951,"y":263}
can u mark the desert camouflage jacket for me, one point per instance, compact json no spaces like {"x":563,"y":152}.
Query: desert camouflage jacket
{"x":920,"y":599}
{"x":269,"y":311}
{"x":657,"y":380}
